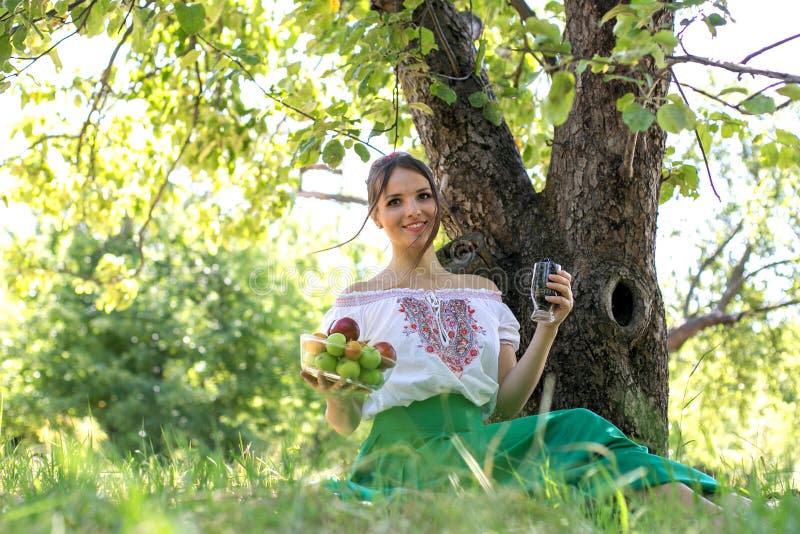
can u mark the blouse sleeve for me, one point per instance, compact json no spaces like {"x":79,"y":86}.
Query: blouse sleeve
{"x":337,"y":311}
{"x":508,"y":327}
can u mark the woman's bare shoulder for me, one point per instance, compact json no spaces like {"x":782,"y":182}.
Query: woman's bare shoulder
{"x":373,"y":284}
{"x":474,"y":281}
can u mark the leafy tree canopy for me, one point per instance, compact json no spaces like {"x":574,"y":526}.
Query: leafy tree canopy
{"x":231,"y":98}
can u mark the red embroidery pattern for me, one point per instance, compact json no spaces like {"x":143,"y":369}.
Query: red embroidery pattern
{"x":453,"y":336}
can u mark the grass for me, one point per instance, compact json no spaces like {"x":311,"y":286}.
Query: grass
{"x":76,"y":487}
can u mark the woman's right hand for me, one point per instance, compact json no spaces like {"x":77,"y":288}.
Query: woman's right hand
{"x":344,"y":400}
{"x":332,"y":387}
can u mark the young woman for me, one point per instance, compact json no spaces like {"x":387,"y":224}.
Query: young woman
{"x":456,"y":344}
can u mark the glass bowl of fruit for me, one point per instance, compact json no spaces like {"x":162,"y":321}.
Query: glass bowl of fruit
{"x":339,"y":356}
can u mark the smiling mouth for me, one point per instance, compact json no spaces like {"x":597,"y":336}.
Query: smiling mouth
{"x":415,"y":226}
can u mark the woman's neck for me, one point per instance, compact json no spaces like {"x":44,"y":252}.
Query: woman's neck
{"x":410,"y":270}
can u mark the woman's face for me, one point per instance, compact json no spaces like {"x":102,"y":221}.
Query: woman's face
{"x":406,"y":210}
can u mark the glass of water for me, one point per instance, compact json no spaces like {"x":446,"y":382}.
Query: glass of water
{"x":542,"y":309}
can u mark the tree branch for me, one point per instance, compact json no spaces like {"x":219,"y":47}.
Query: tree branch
{"x":697,"y":136}
{"x":279,"y":100}
{"x":734,"y":67}
{"x":735,"y":280}
{"x":186,"y":142}
{"x":440,"y":34}
{"x":523,"y":9}
{"x":525,"y":12}
{"x":679,"y":335}
{"x":329,"y":196}
{"x":101,"y":94}
{"x":770,"y":47}
{"x":320,"y":167}
{"x":703,"y":266}
{"x":770,"y":266}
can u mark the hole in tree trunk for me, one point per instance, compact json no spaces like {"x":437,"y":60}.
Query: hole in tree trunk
{"x":622,"y":304}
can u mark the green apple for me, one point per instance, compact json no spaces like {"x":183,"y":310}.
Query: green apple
{"x":370,"y":358}
{"x":326,"y":362}
{"x":348,"y":369}
{"x":371,"y":377}
{"x":335,"y":344}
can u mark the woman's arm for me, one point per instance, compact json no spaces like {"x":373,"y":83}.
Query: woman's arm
{"x":343,"y":410}
{"x":518,"y":379}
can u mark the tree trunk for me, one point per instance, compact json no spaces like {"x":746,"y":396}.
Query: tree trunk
{"x":594,"y":217}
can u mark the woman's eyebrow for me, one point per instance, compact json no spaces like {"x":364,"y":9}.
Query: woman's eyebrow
{"x":421,"y":190}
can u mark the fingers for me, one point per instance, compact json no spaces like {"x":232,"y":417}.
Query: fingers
{"x":561,"y":282}
{"x":324,"y":385}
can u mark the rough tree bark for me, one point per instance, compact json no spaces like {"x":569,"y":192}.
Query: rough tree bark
{"x":596,"y":216}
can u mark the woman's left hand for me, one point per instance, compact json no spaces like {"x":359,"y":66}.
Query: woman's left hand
{"x":562,"y":304}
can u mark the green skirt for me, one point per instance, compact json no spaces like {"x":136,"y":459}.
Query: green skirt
{"x":442,"y":441}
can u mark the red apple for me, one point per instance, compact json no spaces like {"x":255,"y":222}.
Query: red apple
{"x":346,"y":326}
{"x":387,"y":351}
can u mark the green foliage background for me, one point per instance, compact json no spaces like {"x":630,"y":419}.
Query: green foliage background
{"x":132,"y":300}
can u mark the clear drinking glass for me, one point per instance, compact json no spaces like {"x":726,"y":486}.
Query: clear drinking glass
{"x":542,"y":309}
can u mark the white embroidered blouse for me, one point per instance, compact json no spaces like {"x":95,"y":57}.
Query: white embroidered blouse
{"x":447,"y":340}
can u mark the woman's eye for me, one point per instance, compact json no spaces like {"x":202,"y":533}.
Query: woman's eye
{"x":425,"y":196}
{"x":393,"y":202}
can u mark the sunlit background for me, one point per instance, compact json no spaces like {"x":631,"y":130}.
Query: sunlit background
{"x":681,"y":221}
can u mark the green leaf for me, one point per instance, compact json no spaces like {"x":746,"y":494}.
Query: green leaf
{"x":768,"y":155}
{"x":443,"y":92}
{"x":758,"y":104}
{"x":637,"y":117}
{"x":542,"y":28}
{"x":729,"y":129}
{"x":478,"y":99}
{"x":412,"y":4}
{"x":362,"y":151}
{"x":95,"y":21}
{"x":191,"y":17}
{"x":666,"y":39}
{"x":729,"y":90}
{"x":54,"y":57}
{"x":786,"y":137}
{"x":5,"y":48}
{"x":620,"y":9}
{"x":190,"y":57}
{"x":557,"y":105}
{"x":491,"y":112}
{"x":427,"y":41}
{"x":422,"y":107}
{"x":479,"y":57}
{"x":333,"y":153}
{"x":791,"y":90}
{"x":19,"y":37}
{"x":667,"y":191}
{"x":308,"y":152}
{"x":674,"y":118}
{"x":788,"y":158}
{"x":712,"y":22}
{"x":687,"y":180}
{"x":624,"y":101}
